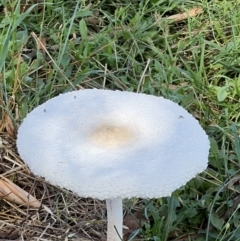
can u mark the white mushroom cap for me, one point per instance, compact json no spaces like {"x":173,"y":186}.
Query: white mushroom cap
{"x":107,"y":144}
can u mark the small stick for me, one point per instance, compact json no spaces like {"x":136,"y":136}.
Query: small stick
{"x":143,"y":75}
{"x":189,"y":14}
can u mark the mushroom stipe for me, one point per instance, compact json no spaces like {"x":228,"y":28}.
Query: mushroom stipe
{"x":113,"y":144}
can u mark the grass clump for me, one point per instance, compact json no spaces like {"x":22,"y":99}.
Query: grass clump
{"x":51,"y":47}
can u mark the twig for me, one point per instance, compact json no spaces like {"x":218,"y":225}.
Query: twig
{"x":189,"y":14}
{"x":142,"y":76}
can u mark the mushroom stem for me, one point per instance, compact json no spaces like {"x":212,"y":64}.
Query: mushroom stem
{"x":115,"y":219}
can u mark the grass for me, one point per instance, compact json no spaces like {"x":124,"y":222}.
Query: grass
{"x":51,"y":47}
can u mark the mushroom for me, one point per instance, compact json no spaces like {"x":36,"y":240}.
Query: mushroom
{"x":112,"y":145}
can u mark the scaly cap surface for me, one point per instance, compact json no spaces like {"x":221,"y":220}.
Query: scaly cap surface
{"x":107,"y":144}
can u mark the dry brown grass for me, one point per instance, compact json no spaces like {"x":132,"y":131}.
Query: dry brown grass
{"x":62,"y":216}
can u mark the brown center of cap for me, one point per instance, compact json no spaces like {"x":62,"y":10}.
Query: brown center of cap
{"x":111,"y":136}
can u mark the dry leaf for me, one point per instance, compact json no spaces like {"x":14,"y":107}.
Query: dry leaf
{"x":182,"y":16}
{"x":9,"y":126}
{"x":132,"y":222}
{"x":6,"y":122}
{"x":93,"y":21}
{"x":42,"y":43}
{"x":12,"y":193}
